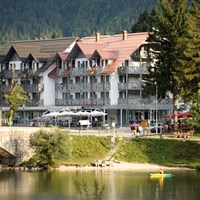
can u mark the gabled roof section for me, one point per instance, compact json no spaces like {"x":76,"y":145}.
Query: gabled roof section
{"x":89,"y":48}
{"x":52,"y":73}
{"x":117,"y":48}
{"x":105,"y":54}
{"x":31,"y":57}
{"x":60,"y":55}
{"x":10,"y":53}
{"x":40,"y":48}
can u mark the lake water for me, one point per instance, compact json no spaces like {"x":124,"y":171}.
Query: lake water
{"x":118,"y":185}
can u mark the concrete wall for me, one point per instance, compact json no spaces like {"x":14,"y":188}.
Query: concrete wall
{"x":15,"y":140}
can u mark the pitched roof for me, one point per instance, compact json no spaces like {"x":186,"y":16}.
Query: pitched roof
{"x":116,"y":48}
{"x":41,"y":48}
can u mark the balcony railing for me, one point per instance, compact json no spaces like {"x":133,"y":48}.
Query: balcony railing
{"x":83,"y":87}
{"x":133,"y":85}
{"x":78,"y":72}
{"x":8,"y":74}
{"x":146,"y":102}
{"x":4,"y":88}
{"x":33,"y":87}
{"x":83,"y":102}
{"x":33,"y":102}
{"x":133,"y":70}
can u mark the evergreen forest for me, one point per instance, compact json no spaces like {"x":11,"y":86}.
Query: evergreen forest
{"x":27,"y":19}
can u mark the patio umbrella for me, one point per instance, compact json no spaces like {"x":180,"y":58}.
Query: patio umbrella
{"x":50,"y":114}
{"x":171,"y":115}
{"x":66,"y":113}
{"x":98,"y":113}
{"x":83,"y":113}
{"x":185,"y":114}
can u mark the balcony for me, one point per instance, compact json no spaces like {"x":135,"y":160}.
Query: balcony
{"x":9,"y":74}
{"x":83,"y":87}
{"x":36,"y":88}
{"x":82,"y":102}
{"x":146,"y":103}
{"x":4,"y":88}
{"x":78,"y":72}
{"x":133,"y":70}
{"x":35,"y":102}
{"x":134,"y":85}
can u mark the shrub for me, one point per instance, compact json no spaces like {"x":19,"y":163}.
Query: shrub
{"x":50,"y":145}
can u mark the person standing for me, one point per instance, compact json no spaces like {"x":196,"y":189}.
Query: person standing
{"x":133,"y":127}
{"x":112,"y":142}
{"x":140,"y":129}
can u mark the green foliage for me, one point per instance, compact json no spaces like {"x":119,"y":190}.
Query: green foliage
{"x":86,"y":149}
{"x":189,"y":81}
{"x":145,"y":22}
{"x":85,"y":193}
{"x":50,"y":145}
{"x":71,"y":18}
{"x":195,"y":111}
{"x":171,"y":24}
{"x":14,"y":96}
{"x":157,"y":151}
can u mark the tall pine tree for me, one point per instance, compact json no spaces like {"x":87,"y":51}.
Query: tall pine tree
{"x":171,"y":25}
{"x":189,"y":82}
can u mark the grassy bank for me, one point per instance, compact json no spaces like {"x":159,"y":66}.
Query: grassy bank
{"x":164,"y":152}
{"x":85,"y":150}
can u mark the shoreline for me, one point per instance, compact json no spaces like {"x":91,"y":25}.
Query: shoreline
{"x":121,"y":166}
{"x":124,"y":166}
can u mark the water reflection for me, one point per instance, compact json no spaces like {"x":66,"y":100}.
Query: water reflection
{"x":119,"y":185}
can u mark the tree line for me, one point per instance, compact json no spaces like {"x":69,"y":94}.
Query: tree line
{"x":174,"y":43}
{"x":26,"y":19}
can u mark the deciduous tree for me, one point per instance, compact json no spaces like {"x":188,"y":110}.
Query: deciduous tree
{"x":50,"y":145}
{"x":15,"y":95}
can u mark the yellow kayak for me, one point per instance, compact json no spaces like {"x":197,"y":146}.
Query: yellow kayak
{"x":160,"y":175}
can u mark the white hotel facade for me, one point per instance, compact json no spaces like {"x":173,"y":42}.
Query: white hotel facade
{"x":100,"y":72}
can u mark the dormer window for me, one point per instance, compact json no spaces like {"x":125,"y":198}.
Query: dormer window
{"x":106,"y":62}
{"x":126,"y":63}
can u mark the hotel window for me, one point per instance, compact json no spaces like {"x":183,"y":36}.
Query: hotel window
{"x":77,"y":95}
{"x":91,"y":64}
{"x":79,"y":64}
{"x":106,"y":62}
{"x":77,"y":79}
{"x":126,"y":62}
{"x":106,"y":78}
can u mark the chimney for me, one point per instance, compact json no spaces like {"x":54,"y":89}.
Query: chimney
{"x":124,"y":34}
{"x":97,"y":36}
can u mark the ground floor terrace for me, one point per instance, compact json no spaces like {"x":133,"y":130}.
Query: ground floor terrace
{"x":120,"y":116}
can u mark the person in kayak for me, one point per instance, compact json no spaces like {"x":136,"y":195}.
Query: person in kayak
{"x":161,"y":171}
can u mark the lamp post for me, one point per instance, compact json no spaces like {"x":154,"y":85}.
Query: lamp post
{"x":156,"y":103}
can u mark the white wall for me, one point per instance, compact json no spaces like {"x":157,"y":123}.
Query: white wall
{"x":114,"y":92}
{"x":48,"y":93}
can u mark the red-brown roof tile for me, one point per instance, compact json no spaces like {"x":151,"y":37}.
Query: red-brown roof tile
{"x":52,"y":73}
{"x":91,"y":71}
{"x":113,"y":48}
{"x":66,"y":73}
